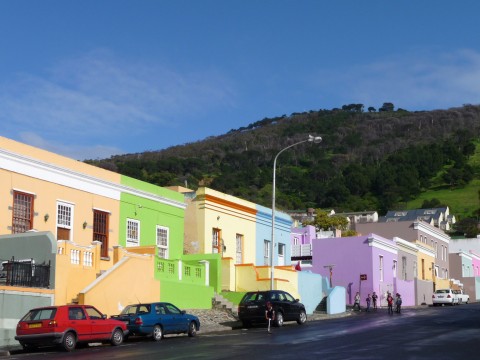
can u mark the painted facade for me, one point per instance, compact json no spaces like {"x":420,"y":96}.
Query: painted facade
{"x":108,"y":229}
{"x":354,"y":258}
{"x":419,"y":232}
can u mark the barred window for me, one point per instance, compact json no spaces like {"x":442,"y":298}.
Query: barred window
{"x":100,"y":230}
{"x":22,"y":212}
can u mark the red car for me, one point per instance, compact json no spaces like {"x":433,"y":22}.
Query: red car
{"x":68,"y":325}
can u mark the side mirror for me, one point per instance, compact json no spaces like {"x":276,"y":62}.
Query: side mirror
{"x":104,"y":316}
{"x":297,"y":300}
{"x":183,"y":312}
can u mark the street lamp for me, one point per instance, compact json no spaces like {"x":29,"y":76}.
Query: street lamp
{"x":311,"y":138}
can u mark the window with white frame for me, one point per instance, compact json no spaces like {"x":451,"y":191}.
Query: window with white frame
{"x":266,"y":252}
{"x":281,"y":254}
{"x":133,"y":232}
{"x":436,"y":250}
{"x":238,"y":249}
{"x":404,"y":268}
{"x":64,"y":220}
{"x":394,"y":268}
{"x":162,"y":241}
{"x":295,"y":240}
{"x":445,"y":250}
{"x":380,"y":265}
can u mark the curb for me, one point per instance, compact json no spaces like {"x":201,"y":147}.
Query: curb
{"x":4,"y":353}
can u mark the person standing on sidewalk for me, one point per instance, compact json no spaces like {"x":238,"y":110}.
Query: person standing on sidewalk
{"x":269,"y":315}
{"x":357,"y":301}
{"x":398,"y":303}
{"x":368,"y":299}
{"x":374,"y":300}
{"x":390,"y":303}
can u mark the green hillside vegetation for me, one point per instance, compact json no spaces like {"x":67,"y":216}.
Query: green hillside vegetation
{"x":381,"y":161}
{"x":463,"y":201}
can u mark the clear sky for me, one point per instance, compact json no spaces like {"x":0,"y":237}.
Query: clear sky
{"x":93,"y":78}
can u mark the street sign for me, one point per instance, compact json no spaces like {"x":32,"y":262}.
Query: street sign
{"x":363,"y":277}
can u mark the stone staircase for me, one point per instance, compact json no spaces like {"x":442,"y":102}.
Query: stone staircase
{"x":219,"y":302}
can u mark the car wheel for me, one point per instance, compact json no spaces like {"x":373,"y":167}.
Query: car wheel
{"x":466,"y":302}
{"x":69,"y":341}
{"x":117,"y":337}
{"x":246,"y":324}
{"x":157,"y":334}
{"x":302,"y":317}
{"x":279,"y":319}
{"x":192,"y":329}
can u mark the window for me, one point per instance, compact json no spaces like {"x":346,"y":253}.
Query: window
{"x":216,"y":241}
{"x":162,"y":241}
{"x":404,"y":268}
{"x":423,"y":269}
{"x":133,"y":232}
{"x":64,"y":221}
{"x":266,"y":252}
{"x":281,"y":254}
{"x":100,"y":230}
{"x":381,"y":267}
{"x":238,"y":249}
{"x":22,"y":212}
{"x":415,"y":273}
{"x":394,"y":268}
{"x":295,"y":241}
{"x":436,"y":250}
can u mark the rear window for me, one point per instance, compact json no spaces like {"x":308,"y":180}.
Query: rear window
{"x":40,"y":314}
{"x":136,"y":309}
{"x":253,"y":297}
{"x":442,"y":291}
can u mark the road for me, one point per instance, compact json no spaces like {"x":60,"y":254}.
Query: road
{"x":426,"y":333}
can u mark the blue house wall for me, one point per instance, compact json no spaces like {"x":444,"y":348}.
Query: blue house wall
{"x":283,"y":224}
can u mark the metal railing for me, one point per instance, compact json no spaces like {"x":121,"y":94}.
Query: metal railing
{"x":25,"y":273}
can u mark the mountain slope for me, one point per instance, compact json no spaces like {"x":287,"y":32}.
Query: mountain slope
{"x":375,"y":160}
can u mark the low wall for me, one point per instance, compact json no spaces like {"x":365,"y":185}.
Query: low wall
{"x":14,"y":304}
{"x":423,"y":292}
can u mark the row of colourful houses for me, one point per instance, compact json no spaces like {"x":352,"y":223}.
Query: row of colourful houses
{"x":412,"y":258}
{"x":88,"y":235}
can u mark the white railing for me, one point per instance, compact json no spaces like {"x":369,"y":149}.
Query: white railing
{"x":302,"y":250}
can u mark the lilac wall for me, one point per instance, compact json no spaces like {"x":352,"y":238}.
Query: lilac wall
{"x":304,"y":234}
{"x":353,"y":256}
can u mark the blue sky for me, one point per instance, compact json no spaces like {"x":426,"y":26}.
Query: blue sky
{"x":92,"y":78}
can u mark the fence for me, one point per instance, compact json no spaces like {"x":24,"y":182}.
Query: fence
{"x":25,"y":273}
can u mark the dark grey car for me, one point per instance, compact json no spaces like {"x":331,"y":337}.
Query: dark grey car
{"x":253,"y":304}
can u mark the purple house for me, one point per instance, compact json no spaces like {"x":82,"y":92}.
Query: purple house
{"x":365,"y":264}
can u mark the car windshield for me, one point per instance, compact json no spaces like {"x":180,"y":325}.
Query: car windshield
{"x":442,"y":291}
{"x":40,"y":314}
{"x":136,"y":309}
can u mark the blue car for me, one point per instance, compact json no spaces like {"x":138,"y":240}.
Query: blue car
{"x":158,"y":319}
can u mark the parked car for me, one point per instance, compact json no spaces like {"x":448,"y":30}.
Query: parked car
{"x":444,"y":296}
{"x":158,"y":319}
{"x":253,"y":304}
{"x":67,"y":325}
{"x":461,"y":296}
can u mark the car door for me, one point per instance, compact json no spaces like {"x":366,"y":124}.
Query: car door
{"x":100,"y":329}
{"x":175,"y":317}
{"x":291,"y":306}
{"x":77,"y":319}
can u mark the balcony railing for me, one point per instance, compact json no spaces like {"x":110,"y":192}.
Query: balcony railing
{"x":301,"y":250}
{"x":25,"y":273}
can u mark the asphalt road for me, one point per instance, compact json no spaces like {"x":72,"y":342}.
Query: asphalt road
{"x":426,"y":333}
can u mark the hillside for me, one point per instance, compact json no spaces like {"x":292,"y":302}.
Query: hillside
{"x":367,"y":160}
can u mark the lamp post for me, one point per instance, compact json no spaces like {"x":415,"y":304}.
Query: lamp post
{"x":311,"y":138}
